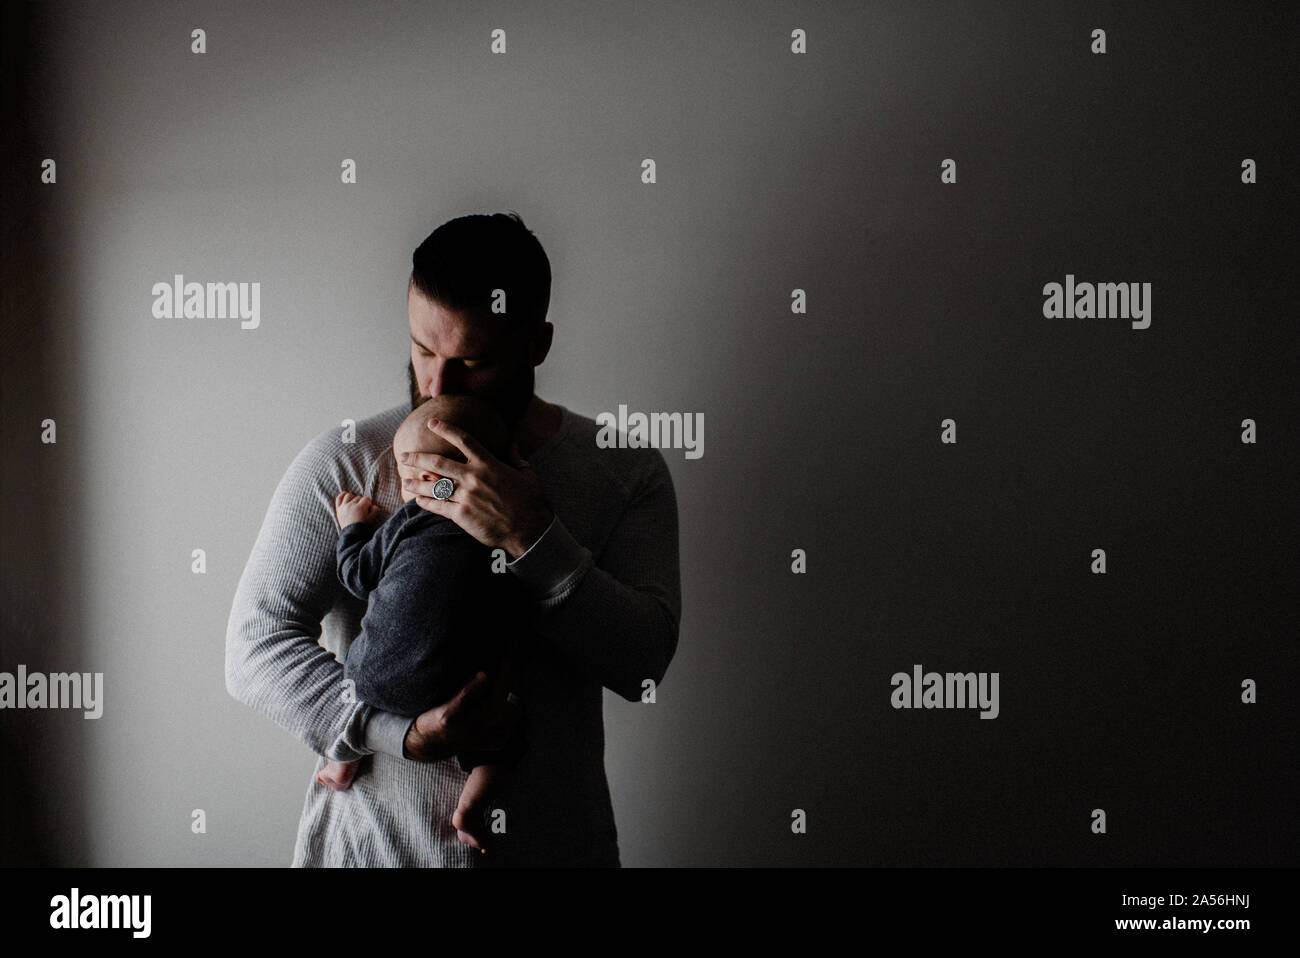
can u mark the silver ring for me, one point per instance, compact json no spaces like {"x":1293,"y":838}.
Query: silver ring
{"x":443,"y":488}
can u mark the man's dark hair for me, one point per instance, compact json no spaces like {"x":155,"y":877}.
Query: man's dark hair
{"x":461,"y":262}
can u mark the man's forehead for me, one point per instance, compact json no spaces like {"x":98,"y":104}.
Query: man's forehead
{"x":466,"y":330}
{"x":455,"y":347}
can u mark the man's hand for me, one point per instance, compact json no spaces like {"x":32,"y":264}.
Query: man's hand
{"x":350,"y":508}
{"x":500,"y":505}
{"x":479,"y":717}
{"x":338,"y":776}
{"x":483,"y":784}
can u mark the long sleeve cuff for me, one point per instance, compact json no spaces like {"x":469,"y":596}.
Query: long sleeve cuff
{"x":386,"y":732}
{"x":554,"y":564}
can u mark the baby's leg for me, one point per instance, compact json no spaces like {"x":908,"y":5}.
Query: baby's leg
{"x":338,"y":775}
{"x":483,"y":785}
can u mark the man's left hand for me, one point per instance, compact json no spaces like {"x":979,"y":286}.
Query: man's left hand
{"x":501,"y":505}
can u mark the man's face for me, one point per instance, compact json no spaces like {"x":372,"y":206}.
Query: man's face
{"x":458,"y":354}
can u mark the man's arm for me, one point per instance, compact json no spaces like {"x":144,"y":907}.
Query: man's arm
{"x":619,"y":620}
{"x":273,"y":661}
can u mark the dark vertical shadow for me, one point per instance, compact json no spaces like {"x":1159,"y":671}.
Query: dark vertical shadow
{"x":41,"y":817}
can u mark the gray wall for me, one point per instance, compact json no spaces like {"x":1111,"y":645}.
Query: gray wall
{"x":775,"y":171}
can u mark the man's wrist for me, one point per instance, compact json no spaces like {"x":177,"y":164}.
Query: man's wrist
{"x":527,"y":538}
{"x":416,"y":743}
{"x":554,"y":564}
{"x":406,"y":741}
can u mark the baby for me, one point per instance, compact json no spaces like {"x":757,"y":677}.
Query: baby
{"x":437,"y":613}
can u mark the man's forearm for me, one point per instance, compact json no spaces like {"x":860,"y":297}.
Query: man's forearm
{"x":273,"y":662}
{"x":621,"y":633}
{"x":288,"y":677}
{"x":386,"y":732}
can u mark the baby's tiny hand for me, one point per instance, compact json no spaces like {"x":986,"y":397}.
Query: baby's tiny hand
{"x":350,"y":508}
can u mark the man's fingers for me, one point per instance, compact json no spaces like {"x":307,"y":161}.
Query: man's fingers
{"x":460,"y":439}
{"x":416,"y":463}
{"x":471,"y":693}
{"x":500,"y":722}
{"x":419,"y":486}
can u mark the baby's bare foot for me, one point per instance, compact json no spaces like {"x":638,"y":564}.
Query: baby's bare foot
{"x":338,"y":775}
{"x":350,"y":508}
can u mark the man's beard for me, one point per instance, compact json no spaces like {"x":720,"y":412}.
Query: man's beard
{"x":411,"y":386}
{"x":510,"y":403}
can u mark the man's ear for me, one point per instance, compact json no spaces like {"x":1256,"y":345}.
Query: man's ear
{"x":540,"y":344}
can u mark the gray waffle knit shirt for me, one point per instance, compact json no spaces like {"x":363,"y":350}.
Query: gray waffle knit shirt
{"x":605,"y":582}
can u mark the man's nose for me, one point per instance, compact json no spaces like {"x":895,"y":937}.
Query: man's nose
{"x":442,"y":381}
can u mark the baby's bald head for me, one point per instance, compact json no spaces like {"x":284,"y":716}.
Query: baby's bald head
{"x":470,"y":413}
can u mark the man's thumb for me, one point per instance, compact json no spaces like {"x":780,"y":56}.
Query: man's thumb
{"x":474,"y":690}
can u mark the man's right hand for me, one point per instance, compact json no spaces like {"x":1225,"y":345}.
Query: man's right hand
{"x":476,"y":719}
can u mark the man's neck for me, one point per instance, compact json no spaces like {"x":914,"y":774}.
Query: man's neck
{"x":540,"y":422}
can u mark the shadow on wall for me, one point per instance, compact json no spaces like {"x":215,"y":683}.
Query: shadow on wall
{"x":42,"y":814}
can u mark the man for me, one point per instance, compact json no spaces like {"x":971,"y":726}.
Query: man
{"x":590,"y":532}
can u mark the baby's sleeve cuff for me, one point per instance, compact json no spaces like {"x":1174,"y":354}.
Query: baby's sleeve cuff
{"x":554,"y":564}
{"x":386,"y":732}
